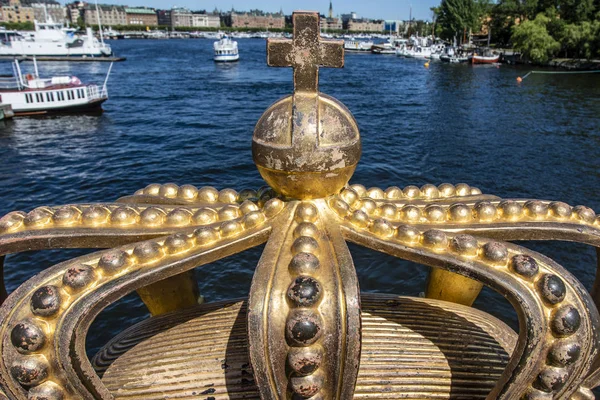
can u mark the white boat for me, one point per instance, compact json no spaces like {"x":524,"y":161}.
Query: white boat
{"x":357,"y":45}
{"x":32,"y":95}
{"x":226,"y":50}
{"x":419,"y":52}
{"x":51,"y":39}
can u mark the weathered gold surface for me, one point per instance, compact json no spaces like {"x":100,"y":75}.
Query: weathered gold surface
{"x":403,"y":355}
{"x":307,"y":145}
{"x":304,"y":336}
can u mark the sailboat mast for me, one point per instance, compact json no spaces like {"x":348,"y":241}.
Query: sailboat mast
{"x":99,"y":24}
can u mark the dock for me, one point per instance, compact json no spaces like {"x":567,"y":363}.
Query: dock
{"x":64,"y":58}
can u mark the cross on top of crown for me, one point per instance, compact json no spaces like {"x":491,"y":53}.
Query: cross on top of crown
{"x":306,"y":52}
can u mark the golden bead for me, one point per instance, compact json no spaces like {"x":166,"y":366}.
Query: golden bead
{"x":12,"y":221}
{"x":306,"y":212}
{"x":536,"y":209}
{"x":206,"y":235}
{"x":247,"y":207}
{"x":339,"y":206}
{"x":585,"y":214}
{"x":393,"y":193}
{"x":410,"y":213}
{"x":408,"y":234}
{"x":460,"y":213}
{"x":95,"y":215}
{"x":253,"y":219}
{"x":148,"y":252}
{"x":305,"y":244}
{"x":359,"y":189}
{"x":152,"y":189}
{"x":208,"y":194}
{"x":359,"y":218}
{"x":229,"y":212}
{"x":382,"y":228}
{"x":412,"y":192}
{"x":139,"y":192}
{"x":435,"y":240}
{"x":205,"y":216}
{"x":475,"y":191}
{"x":349,"y":196}
{"x":462,"y":189}
{"x":152,"y":216}
{"x":124,"y":215}
{"x":306,"y":229}
{"x":465,"y":245}
{"x":273,"y":207}
{"x":228,"y":196}
{"x":247,"y":194}
{"x":375,"y":193}
{"x":495,"y":252}
{"x":231,"y":228}
{"x":388,"y":211}
{"x":430,"y":191}
{"x":179,"y":217}
{"x":447,"y":190}
{"x":368,"y":206}
{"x":178,"y":243}
{"x":38,"y":217}
{"x":66,"y":215}
{"x":187,"y":192}
{"x":560,"y":210}
{"x":435,"y":213}
{"x":169,"y":190}
{"x":511,"y":210}
{"x":485,"y":211}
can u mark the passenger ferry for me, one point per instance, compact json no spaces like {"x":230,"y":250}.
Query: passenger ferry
{"x":226,"y":50}
{"x":32,"y":95}
{"x":52,"y":39}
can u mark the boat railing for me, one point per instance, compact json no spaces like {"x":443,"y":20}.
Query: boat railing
{"x":94,"y":92}
{"x":9,"y":82}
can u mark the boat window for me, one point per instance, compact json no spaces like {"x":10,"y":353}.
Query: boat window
{"x":72,"y":95}
{"x":49,"y":96}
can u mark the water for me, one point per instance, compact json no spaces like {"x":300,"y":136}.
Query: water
{"x":176,"y":116}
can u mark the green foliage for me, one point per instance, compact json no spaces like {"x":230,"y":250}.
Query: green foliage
{"x":455,"y":17}
{"x":533,"y":40}
{"x":19,"y":26}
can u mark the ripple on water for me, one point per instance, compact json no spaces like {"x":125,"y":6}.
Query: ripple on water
{"x":175,"y":116}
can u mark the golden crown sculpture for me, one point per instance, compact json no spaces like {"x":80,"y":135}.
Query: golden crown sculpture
{"x":305,"y":332}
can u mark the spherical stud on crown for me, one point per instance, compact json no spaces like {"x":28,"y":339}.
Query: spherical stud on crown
{"x":78,"y":277}
{"x":435,"y":213}
{"x":46,"y":391}
{"x":430,"y":191}
{"x":45,"y":301}
{"x":462,"y":189}
{"x":306,"y":146}
{"x":187,"y":192}
{"x":305,"y":360}
{"x":307,"y":212}
{"x":228,"y":196}
{"x":375,"y":193}
{"x":30,"y":370}
{"x":412,"y":192}
{"x":208,"y":194}
{"x":169,"y":190}
{"x":114,"y":261}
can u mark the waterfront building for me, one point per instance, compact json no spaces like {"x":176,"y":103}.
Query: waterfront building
{"x":164,"y":17}
{"x":395,"y":27}
{"x":255,"y":19}
{"x":107,"y":14}
{"x":331,"y":22}
{"x":141,"y":16}
{"x":365,"y":25}
{"x":75,"y":11}
{"x":14,"y":11}
{"x":181,"y":17}
{"x":204,"y":20}
{"x":50,"y":10}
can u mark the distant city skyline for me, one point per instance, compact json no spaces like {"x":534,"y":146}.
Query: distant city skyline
{"x":376,"y":9}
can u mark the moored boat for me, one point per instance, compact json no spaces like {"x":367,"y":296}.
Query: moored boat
{"x":52,"y":39}
{"x":32,"y":95}
{"x":357,"y":45}
{"x":486,"y":57}
{"x":226,"y":50}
